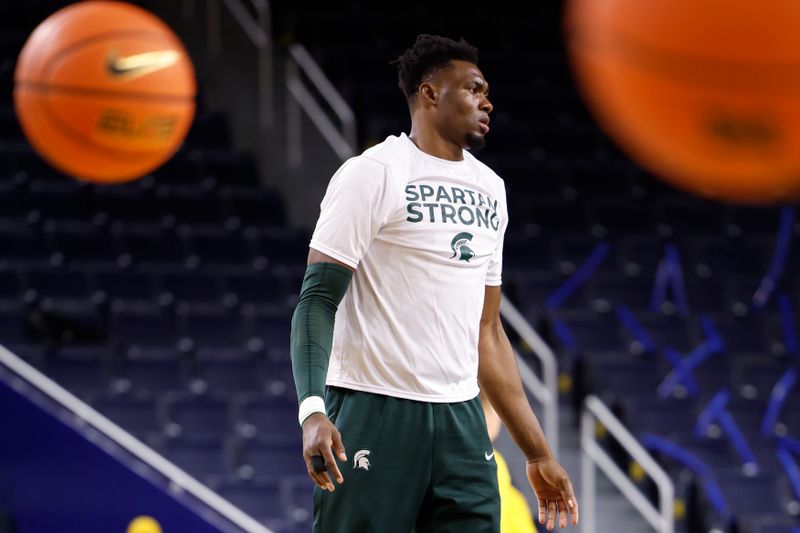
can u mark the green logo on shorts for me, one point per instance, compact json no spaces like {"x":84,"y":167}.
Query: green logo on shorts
{"x":460,"y":248}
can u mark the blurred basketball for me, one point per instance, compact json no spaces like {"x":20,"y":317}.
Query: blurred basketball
{"x":104,"y":91}
{"x":702,"y":93}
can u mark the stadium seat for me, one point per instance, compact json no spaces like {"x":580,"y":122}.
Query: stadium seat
{"x":81,"y":370}
{"x":268,"y":417}
{"x":134,"y":413}
{"x":144,"y":327}
{"x":271,"y":459}
{"x":195,"y":416}
{"x":189,"y":287}
{"x":153,"y":370}
{"x":117,"y":285}
{"x":260,"y":498}
{"x":229,"y":370}
{"x":203,"y":457}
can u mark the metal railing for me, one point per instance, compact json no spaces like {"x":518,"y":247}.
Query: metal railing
{"x":342,"y":140}
{"x":259,"y":30}
{"x":176,"y":476}
{"x":545,"y":391}
{"x":593,"y":455}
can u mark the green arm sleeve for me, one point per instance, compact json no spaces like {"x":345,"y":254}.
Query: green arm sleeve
{"x":323,"y":288}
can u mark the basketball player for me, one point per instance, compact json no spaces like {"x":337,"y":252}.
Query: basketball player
{"x":399,"y":317}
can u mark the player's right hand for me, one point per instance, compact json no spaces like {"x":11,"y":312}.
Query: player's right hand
{"x":321,"y":438}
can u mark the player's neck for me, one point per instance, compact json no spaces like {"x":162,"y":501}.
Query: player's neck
{"x":429,"y":142}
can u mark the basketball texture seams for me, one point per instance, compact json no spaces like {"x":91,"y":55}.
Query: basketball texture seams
{"x":104,"y":91}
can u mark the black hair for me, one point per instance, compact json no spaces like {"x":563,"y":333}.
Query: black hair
{"x":429,"y":53}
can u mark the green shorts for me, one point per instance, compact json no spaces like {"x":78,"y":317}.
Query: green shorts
{"x":411,"y":466}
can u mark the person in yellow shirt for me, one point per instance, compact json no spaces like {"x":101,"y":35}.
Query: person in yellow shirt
{"x":515,"y":513}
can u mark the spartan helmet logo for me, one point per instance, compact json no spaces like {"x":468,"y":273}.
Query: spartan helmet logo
{"x":460,"y":248}
{"x":360,"y":460}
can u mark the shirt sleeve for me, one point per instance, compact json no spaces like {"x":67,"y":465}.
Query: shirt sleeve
{"x":358,"y":202}
{"x":494,"y":273}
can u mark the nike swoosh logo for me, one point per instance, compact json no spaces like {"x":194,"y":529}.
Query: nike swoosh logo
{"x":134,"y":66}
{"x":488,"y":455}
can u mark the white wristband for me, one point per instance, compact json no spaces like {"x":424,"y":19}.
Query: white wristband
{"x":309,"y":406}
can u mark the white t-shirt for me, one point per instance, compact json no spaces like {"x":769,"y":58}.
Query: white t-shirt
{"x":425,"y":236}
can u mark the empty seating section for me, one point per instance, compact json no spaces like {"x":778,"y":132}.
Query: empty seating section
{"x":166,"y":302}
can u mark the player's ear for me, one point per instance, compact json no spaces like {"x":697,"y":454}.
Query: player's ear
{"x":427,"y":93}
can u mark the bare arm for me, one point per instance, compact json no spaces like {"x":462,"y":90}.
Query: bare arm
{"x":499,"y":379}
{"x":498,"y":376}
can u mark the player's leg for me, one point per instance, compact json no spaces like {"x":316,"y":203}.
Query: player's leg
{"x":463,"y":494}
{"x":388,"y":442}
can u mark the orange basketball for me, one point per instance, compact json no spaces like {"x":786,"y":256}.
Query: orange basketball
{"x":704,"y":93}
{"x":104,"y":91}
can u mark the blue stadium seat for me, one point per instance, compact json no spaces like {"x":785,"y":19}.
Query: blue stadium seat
{"x":593,"y":331}
{"x":201,"y":457}
{"x":153,"y":370}
{"x":68,"y":322}
{"x":209,"y":130}
{"x":33,"y":354}
{"x":117,"y":285}
{"x":753,"y":220}
{"x":619,"y":375}
{"x":15,"y":205}
{"x":753,"y":495}
{"x":268,"y":416}
{"x":261,"y":289}
{"x":673,"y":331}
{"x":524,"y":255}
{"x":259,"y":498}
{"x":612,"y":290}
{"x":196,"y":416}
{"x":639,"y":256}
{"x":23,"y":246}
{"x":191,"y":205}
{"x":219,"y":249}
{"x":61,"y":201}
{"x":620,"y":216}
{"x":273,"y":328}
{"x":270,"y":459}
{"x":151,"y":247}
{"x":771,"y":524}
{"x":14,"y":326}
{"x":284,"y":247}
{"x":755,"y":374}
{"x":56,"y":284}
{"x":705,"y":295}
{"x":190,"y":287}
{"x":127,"y":204}
{"x":229,"y":370}
{"x":279,"y":376}
{"x":742,"y":334}
{"x":181,"y":168}
{"x":688,"y":217}
{"x":10,"y":288}
{"x":214,"y":327}
{"x":255,"y":207}
{"x":135,"y":414}
{"x":663,"y":417}
{"x":721,"y":257}
{"x":144,"y":327}
{"x":81,"y":370}
{"x":84,"y":246}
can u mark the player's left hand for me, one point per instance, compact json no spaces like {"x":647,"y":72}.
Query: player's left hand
{"x":554,"y":492}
